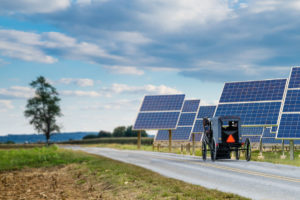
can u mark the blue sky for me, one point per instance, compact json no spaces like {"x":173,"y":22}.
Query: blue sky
{"x":103,"y":56}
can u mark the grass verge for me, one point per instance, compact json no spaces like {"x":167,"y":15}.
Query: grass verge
{"x":116,"y":179}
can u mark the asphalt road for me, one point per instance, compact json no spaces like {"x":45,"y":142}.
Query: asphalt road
{"x":256,"y":180}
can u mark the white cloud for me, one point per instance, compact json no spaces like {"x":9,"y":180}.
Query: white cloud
{"x":33,"y":47}
{"x":260,"y":6}
{"x":82,"y":82}
{"x":5,"y":105}
{"x":16,"y":92}
{"x":123,"y":104}
{"x":33,"y":6}
{"x":125,"y":70}
{"x":174,"y":14}
{"x":80,"y":93}
{"x":130,"y":37}
{"x":147,"y":89}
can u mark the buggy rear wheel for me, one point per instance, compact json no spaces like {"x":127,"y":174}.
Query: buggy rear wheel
{"x":204,"y":151}
{"x":248,"y":149}
{"x":213,"y":150}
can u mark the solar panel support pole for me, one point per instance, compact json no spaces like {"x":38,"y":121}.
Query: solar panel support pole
{"x":193,"y":139}
{"x":282,"y":148}
{"x":292,"y":150}
{"x":139,"y":140}
{"x":170,"y":140}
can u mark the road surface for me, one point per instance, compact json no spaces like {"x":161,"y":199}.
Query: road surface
{"x":256,"y":180}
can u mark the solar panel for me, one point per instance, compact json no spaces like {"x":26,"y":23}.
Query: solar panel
{"x":295,"y":78}
{"x":292,"y":101}
{"x":252,"y":138}
{"x":156,"y":120}
{"x":289,"y":125}
{"x":252,"y":113}
{"x":162,"y":103}
{"x":191,"y":106}
{"x":206,"y":111}
{"x":185,"y":124}
{"x":252,"y":130}
{"x":159,"y":112}
{"x":186,"y":119}
{"x":265,"y":90}
{"x":267,"y":133}
{"x":162,"y":135}
{"x":198,"y":126}
{"x":274,"y":129}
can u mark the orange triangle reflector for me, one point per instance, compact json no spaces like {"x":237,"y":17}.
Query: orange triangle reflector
{"x":230,"y":139}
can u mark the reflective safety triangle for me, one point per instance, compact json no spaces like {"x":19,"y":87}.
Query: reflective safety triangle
{"x":230,"y":139}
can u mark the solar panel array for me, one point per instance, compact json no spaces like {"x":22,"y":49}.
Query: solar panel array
{"x":257,"y":103}
{"x":265,"y":90}
{"x":159,"y":112}
{"x":289,"y":126}
{"x":204,"y":111}
{"x":185,"y":125}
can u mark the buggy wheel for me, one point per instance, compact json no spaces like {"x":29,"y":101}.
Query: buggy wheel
{"x":248,"y":149}
{"x":213,"y":150}
{"x":237,"y":154}
{"x":204,"y":151}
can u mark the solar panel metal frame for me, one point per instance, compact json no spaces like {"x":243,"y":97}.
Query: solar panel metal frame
{"x":158,"y":112}
{"x":259,"y":125}
{"x":282,"y":106}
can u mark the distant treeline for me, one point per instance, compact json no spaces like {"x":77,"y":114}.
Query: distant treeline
{"x":120,"y":131}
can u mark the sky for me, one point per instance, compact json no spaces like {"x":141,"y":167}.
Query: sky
{"x":103,"y":56}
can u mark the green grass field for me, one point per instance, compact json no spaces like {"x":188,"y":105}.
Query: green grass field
{"x":118,"y":177}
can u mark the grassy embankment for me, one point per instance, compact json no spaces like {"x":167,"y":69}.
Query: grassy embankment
{"x":115,"y":179}
{"x":273,"y":157}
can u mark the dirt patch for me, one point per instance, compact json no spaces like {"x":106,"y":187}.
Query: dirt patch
{"x":68,"y":182}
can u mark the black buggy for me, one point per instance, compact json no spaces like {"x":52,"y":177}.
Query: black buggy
{"x":222,"y":136}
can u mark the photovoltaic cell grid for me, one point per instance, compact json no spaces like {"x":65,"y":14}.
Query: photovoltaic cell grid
{"x":198,"y":137}
{"x":185,"y":124}
{"x":252,"y":131}
{"x":159,"y":112}
{"x":295,"y":78}
{"x":163,"y":103}
{"x":191,"y":106}
{"x":252,"y":138}
{"x":156,"y":120}
{"x":252,"y":113}
{"x":266,"y":90}
{"x":186,"y":119}
{"x":289,"y":126}
{"x":206,"y":111}
{"x":273,"y":129}
{"x":198,"y":127}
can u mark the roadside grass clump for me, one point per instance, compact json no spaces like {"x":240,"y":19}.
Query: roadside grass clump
{"x":37,"y":157}
{"x":117,"y":180}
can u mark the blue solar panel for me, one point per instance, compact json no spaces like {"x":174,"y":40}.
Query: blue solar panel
{"x":252,"y":138}
{"x":289,"y":126}
{"x":190,"y":106}
{"x":274,"y":129}
{"x":272,"y":141}
{"x":266,"y":90}
{"x":162,"y":135}
{"x":267,"y":133}
{"x":156,"y":120}
{"x":295,"y":78}
{"x":186,"y":119}
{"x":181,"y":133}
{"x":292,"y":101}
{"x":206,"y":111}
{"x":198,"y":127}
{"x":252,"y":130}
{"x":163,"y":103}
{"x":252,"y":113}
